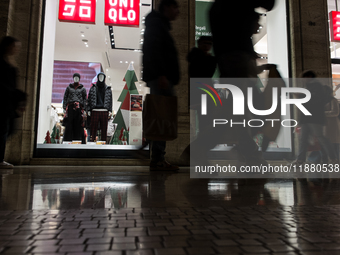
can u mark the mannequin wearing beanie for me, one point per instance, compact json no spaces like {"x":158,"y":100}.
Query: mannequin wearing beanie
{"x":73,"y":105}
{"x":100,"y":106}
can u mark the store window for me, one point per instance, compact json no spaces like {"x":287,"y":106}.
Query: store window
{"x":333,"y":9}
{"x":91,"y":87}
{"x":271,"y":37}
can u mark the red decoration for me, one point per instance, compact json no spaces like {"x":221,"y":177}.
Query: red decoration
{"x":78,"y":11}
{"x":48,"y":137}
{"x":122,"y":13}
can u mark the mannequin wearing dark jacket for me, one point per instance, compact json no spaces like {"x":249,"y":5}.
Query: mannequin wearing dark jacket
{"x":100,"y":105}
{"x":73,"y":104}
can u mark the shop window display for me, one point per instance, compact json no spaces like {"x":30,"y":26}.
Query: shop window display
{"x":91,"y":108}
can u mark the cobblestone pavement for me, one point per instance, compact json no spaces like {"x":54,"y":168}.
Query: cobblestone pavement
{"x":153,"y":214}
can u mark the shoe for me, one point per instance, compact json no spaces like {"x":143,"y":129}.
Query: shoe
{"x":162,"y":166}
{"x":5,"y":165}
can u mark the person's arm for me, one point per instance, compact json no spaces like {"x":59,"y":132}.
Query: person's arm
{"x":65,"y":98}
{"x":83,"y":93}
{"x":334,"y":111}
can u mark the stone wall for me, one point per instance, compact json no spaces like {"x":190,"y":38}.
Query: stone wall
{"x":24,"y":23}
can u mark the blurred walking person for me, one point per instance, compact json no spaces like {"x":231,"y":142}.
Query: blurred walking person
{"x":10,"y":96}
{"x":160,"y":67}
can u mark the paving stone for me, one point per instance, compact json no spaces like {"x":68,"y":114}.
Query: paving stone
{"x":149,"y":245}
{"x":72,"y":248}
{"x":45,"y":249}
{"x":170,"y":251}
{"x":98,"y":247}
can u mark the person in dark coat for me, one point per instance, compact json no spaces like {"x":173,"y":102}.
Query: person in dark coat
{"x":201,"y":63}
{"x":160,"y":66}
{"x":11,"y":99}
{"x":313,"y":124}
{"x":236,"y":58}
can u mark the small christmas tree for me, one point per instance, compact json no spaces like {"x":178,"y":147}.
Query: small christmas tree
{"x":53,"y":135}
{"x":48,"y":137}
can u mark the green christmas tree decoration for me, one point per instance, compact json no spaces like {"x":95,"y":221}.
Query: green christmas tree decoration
{"x":53,"y":135}
{"x":122,"y":118}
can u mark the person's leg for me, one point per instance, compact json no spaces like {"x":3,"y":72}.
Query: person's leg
{"x":103,"y":124}
{"x":94,"y":125}
{"x":317,"y":130}
{"x":3,"y":138}
{"x":78,"y":130}
{"x":305,"y":131}
{"x":158,"y":147}
{"x":68,"y":133}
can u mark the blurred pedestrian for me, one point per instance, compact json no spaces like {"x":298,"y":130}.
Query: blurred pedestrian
{"x":314,"y":124}
{"x":11,"y":99}
{"x":236,"y":58}
{"x":160,"y":67}
{"x":201,"y":63}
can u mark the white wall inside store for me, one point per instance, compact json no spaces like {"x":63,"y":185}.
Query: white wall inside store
{"x":47,"y":70}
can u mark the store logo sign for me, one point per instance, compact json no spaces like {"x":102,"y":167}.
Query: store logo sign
{"x":78,"y":11}
{"x":122,"y":13}
{"x":334,"y":25}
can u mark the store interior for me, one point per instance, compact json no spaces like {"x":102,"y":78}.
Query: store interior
{"x":87,"y":49}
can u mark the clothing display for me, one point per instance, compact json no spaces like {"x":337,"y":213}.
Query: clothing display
{"x":73,"y":105}
{"x":100,"y":105}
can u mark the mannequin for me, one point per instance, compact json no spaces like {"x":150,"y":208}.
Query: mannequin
{"x":100,"y":106}
{"x":73,"y":105}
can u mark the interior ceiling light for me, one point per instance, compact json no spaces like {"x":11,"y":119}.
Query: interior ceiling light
{"x":82,"y":35}
{"x":121,"y":61}
{"x":126,"y":62}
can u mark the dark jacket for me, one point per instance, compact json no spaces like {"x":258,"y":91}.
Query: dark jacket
{"x":74,"y":95}
{"x":160,"y":54}
{"x":10,"y":96}
{"x":231,"y":30}
{"x":201,"y":65}
{"x":316,"y":105}
{"x":92,"y":98}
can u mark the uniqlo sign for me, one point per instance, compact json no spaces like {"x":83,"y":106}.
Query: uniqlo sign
{"x":78,"y":11}
{"x":334,"y":24}
{"x":122,"y":13}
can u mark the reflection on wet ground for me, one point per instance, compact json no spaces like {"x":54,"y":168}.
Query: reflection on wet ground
{"x":59,"y":188}
{"x":124,"y":210}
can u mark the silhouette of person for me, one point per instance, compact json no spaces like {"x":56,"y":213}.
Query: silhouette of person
{"x":236,"y":58}
{"x":201,"y":63}
{"x":10,"y":97}
{"x":313,"y":124}
{"x":160,"y":67}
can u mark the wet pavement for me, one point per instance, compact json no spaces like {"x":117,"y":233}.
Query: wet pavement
{"x":128,"y":210}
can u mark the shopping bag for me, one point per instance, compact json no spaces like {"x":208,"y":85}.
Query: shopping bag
{"x":160,"y":118}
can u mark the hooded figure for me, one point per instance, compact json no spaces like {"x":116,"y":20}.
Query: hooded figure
{"x":100,"y":106}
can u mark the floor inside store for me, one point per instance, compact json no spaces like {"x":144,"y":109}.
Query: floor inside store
{"x":129,"y":210}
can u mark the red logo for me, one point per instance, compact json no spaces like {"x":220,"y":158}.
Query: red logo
{"x":78,"y":11}
{"x":122,"y":13}
{"x":334,"y":25}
